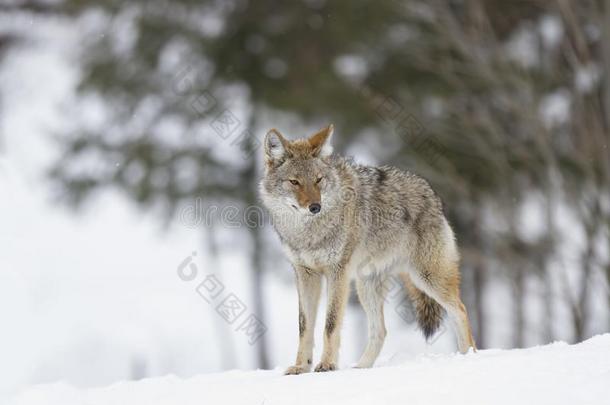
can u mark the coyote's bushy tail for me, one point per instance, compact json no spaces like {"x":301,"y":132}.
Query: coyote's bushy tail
{"x":428,"y":312}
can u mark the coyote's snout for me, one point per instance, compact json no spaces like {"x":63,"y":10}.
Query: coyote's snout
{"x":390,"y":220}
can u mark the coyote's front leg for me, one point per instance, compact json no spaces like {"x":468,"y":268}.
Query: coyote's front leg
{"x":308,"y":286}
{"x":338,"y":292}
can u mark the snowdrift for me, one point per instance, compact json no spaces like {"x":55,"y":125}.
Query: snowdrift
{"x":554,"y":374}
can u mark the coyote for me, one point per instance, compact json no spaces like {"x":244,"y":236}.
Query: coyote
{"x":342,"y":220}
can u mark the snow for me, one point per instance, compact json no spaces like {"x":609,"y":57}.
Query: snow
{"x":554,"y":374}
{"x":551,"y":30}
{"x":522,"y":47}
{"x":555,"y":108}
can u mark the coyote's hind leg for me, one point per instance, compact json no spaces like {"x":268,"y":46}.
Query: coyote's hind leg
{"x":442,"y":283}
{"x":371,"y":293}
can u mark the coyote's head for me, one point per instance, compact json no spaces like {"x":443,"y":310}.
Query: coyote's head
{"x":298,"y":174}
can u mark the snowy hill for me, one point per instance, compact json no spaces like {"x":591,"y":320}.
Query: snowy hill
{"x":553,"y":374}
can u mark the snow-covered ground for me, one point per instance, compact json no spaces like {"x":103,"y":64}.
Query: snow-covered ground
{"x":554,"y":374}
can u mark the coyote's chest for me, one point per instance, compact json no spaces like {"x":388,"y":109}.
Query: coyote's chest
{"x":313,"y":246}
{"x":309,"y":259}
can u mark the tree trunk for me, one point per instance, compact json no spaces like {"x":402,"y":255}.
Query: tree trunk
{"x":478,"y":281}
{"x":605,"y":45}
{"x":519,"y":314}
{"x":581,"y":307}
{"x":250,"y":180}
{"x":224,"y":332}
{"x":605,"y":48}
{"x":547,"y":270}
{"x":257,"y":292}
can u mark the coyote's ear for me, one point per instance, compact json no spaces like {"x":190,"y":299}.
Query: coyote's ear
{"x":320,"y":142}
{"x":275,"y":145}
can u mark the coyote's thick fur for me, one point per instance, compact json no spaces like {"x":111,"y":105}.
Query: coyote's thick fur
{"x":340,"y":220}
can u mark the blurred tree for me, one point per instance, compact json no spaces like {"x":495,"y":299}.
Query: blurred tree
{"x":162,"y":66}
{"x":464,"y":92}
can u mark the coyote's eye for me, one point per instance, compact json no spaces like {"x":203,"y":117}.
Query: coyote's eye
{"x":319,"y":180}
{"x":294,"y":182}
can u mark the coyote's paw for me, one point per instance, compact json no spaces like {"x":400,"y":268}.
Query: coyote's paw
{"x":325,"y":366}
{"x":294,"y":370}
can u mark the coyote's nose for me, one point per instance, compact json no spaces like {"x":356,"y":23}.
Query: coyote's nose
{"x":315,"y":208}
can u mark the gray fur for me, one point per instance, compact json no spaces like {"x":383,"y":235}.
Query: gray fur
{"x":374,"y":221}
